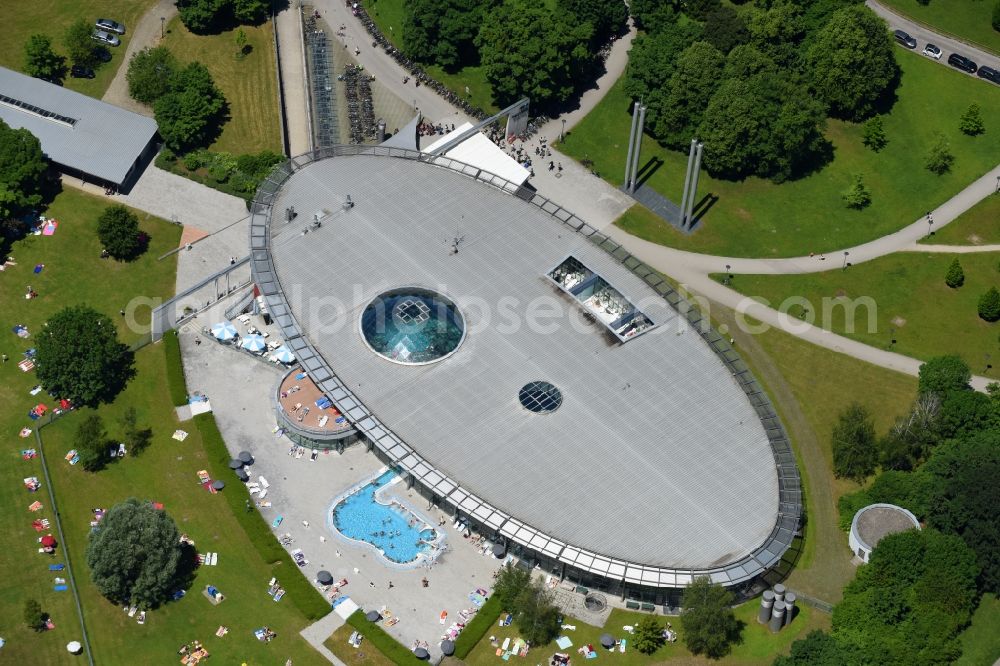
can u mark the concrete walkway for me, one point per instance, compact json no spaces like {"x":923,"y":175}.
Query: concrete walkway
{"x":288,"y":27}
{"x":923,"y":35}
{"x":953,"y":249}
{"x":319,"y":631}
{"x":145,"y":33}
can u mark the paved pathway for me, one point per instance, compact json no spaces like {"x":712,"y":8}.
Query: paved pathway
{"x":173,"y":197}
{"x":319,"y":631}
{"x":288,"y":27}
{"x":146,"y":32}
{"x":924,"y":35}
{"x":956,"y":249}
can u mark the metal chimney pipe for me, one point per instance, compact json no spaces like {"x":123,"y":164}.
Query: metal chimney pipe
{"x":631,"y":143}
{"x":766,"y":602}
{"x":687,"y":182}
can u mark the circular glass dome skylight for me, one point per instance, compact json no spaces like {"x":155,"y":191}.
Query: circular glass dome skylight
{"x":540,"y":397}
{"x":412,"y":326}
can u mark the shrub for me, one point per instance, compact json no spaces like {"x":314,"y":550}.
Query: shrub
{"x":118,"y":230}
{"x":873,"y":134}
{"x":971,"y":122}
{"x":996,"y":16}
{"x":989,"y":305}
{"x":477,"y":628}
{"x":392,"y":649}
{"x":940,"y":157}
{"x":956,"y":276}
{"x":175,"y":369}
{"x":857,"y":196}
{"x":194,"y":160}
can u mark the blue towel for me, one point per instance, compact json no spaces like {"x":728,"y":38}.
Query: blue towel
{"x":60,"y":588}
{"x":56,"y":567}
{"x":301,"y":375}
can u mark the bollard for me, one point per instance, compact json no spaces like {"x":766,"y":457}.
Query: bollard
{"x":777,"y":616}
{"x":779,"y":592}
{"x":789,"y":607}
{"x":766,"y":601}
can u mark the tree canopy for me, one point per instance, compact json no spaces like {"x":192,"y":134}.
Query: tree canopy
{"x":708,"y":624}
{"x":41,"y":61}
{"x":944,"y":373}
{"x":606,"y":17}
{"x":204,"y":16}
{"x":22,"y":166}
{"x":852,"y":63}
{"x":510,"y":582}
{"x":855,"y":455}
{"x":443,"y":32}
{"x":149,"y":74}
{"x":80,"y":357}
{"x":118,"y":230}
{"x":91,"y":443}
{"x":648,"y":635}
{"x":134,"y":555}
{"x":79,"y":42}
{"x":522,"y":59}
{"x":189,"y":114}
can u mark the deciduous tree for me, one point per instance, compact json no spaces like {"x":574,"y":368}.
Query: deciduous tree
{"x":91,"y":443}
{"x":22,"y":167}
{"x":955,"y":277}
{"x":118,"y":231}
{"x":41,"y":61}
{"x":854,"y":448}
{"x":989,"y":305}
{"x":873,"y":134}
{"x":940,"y":158}
{"x":648,"y":635}
{"x":857,"y":196}
{"x":537,"y":615}
{"x":79,"y":42}
{"x":189,"y":113}
{"x":851,"y":62}
{"x":80,"y":357}
{"x":137,"y":438}
{"x":708,"y":624}
{"x":510,"y":582}
{"x":134,"y":555}
{"x":724,"y":28}
{"x":200,"y":16}
{"x":694,"y":81}
{"x":607,"y":17}
{"x":33,"y":615}
{"x":250,"y":12}
{"x":971,"y":122}
{"x":942,"y":374}
{"x":149,"y":74}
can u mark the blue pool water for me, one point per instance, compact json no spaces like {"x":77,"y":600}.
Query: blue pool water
{"x":393,"y":529}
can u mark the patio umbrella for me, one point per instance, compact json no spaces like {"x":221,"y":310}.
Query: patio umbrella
{"x":235,"y":463}
{"x":607,"y":640}
{"x":242,"y":475}
{"x":324,"y":577}
{"x":499,"y":551}
{"x":447,"y":648}
{"x":218,"y":484}
{"x":73,"y":646}
{"x":284,"y":354}
{"x":421,"y":653}
{"x":373,"y":616}
{"x":254,"y":343}
{"x":48,"y":541}
{"x":246,"y":457}
{"x":224,"y":331}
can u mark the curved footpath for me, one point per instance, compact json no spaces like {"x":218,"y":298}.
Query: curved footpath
{"x":146,"y":32}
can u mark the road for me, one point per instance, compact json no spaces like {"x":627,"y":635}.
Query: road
{"x":925,"y":35}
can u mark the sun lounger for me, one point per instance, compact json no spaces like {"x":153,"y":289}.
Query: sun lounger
{"x":264,"y":483}
{"x":277,"y":521}
{"x":215,"y":559}
{"x":506,"y":644}
{"x":263,"y":494}
{"x":132,"y":611}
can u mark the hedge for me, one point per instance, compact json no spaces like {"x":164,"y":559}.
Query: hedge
{"x":474,"y":631}
{"x":393,"y":650}
{"x":175,"y":369}
{"x":306,"y":598}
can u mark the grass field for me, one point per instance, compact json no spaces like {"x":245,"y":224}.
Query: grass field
{"x":52,"y":17}
{"x":167,"y":473}
{"x":969,"y":20}
{"x":979,"y":225}
{"x":912,"y":304}
{"x":759,"y":645}
{"x":73,"y":273}
{"x":250,"y":85}
{"x":981,"y":641}
{"x":759,"y":218}
{"x":366,"y":655}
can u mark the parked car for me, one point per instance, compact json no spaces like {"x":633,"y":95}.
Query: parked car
{"x":989,"y":74}
{"x":106,"y":38}
{"x":962,"y":63}
{"x":904,"y":39}
{"x":81,"y":72}
{"x":932,"y":51}
{"x":107,"y":25}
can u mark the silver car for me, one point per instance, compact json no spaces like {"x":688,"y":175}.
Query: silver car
{"x":106,"y":38}
{"x":109,"y":25}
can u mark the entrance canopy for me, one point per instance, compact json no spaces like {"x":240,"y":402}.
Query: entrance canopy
{"x":480,"y":152}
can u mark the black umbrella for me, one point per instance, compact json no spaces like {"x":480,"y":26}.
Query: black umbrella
{"x":447,"y":648}
{"x":499,"y":551}
{"x":324,"y":577}
{"x":242,"y":475}
{"x":373,"y":616}
{"x":246,"y":457}
{"x":235,"y":463}
{"x":607,"y":640}
{"x":421,"y":653}
{"x":218,"y":485}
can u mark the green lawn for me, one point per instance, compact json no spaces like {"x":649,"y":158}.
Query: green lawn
{"x":73,"y":273}
{"x":911,"y":303}
{"x":969,"y":20}
{"x":167,"y":473}
{"x":977,"y":226}
{"x":366,"y":655}
{"x":759,"y":645}
{"x":981,"y":641}
{"x":809,"y":386}
{"x":250,"y":85}
{"x":759,"y":218}
{"x":52,"y":17}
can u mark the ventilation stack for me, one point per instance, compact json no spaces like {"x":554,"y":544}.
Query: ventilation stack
{"x":777,"y":617}
{"x":766,"y":602}
{"x":789,"y":607}
{"x":779,"y":592}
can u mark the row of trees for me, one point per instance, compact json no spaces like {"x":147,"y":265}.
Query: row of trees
{"x":189,"y":108}
{"x":206,"y":16}
{"x":42,"y":61}
{"x":526,"y":48}
{"x":989,"y":302}
{"x":22,"y":166}
{"x":756,"y":83}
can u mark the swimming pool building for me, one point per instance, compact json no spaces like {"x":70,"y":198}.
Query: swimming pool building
{"x":522,"y":370}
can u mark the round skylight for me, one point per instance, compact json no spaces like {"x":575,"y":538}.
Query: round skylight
{"x":540,"y":397}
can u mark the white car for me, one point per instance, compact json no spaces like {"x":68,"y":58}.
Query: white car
{"x":109,"y":25}
{"x":932,"y":51}
{"x":106,"y":38}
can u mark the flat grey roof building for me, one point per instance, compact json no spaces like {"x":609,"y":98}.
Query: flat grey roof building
{"x":654,"y":462}
{"x":80,"y":133}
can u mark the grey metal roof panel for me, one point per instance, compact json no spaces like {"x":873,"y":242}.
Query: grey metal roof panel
{"x":104,"y":142}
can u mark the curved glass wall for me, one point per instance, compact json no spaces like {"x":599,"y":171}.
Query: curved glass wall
{"x":412,"y":326}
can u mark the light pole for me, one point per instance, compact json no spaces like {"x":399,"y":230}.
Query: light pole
{"x":562,"y":135}
{"x":728,"y":276}
{"x":845,"y":260}
{"x":998,"y":185}
{"x":163,"y":21}
{"x":892,"y":337}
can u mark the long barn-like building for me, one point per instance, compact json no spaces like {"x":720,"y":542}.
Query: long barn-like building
{"x":523,"y":372}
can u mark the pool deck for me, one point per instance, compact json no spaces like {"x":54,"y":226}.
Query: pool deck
{"x":241,"y":390}
{"x":305,"y":396}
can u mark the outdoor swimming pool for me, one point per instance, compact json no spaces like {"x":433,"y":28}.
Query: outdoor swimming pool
{"x":396,"y":531}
